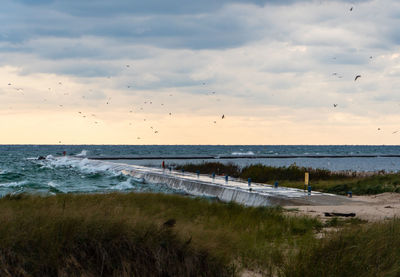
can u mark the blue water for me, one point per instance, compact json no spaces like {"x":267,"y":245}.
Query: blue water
{"x":20,"y":171}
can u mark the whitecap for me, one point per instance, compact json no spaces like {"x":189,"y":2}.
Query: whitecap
{"x":124,"y":185}
{"x":243,"y":153}
{"x":13,"y":184}
{"x":85,"y":165}
{"x":83,"y":153}
{"x":53,"y":184}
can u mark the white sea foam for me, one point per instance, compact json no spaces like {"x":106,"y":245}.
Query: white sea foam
{"x":53,"y":184}
{"x":85,"y":165}
{"x":13,"y":184}
{"x":124,"y":185}
{"x":83,"y":153}
{"x":32,"y":158}
{"x":243,"y":153}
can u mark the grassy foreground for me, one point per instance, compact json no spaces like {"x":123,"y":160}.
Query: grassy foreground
{"x":134,"y":235}
{"x":293,"y":176}
{"x":125,"y":235}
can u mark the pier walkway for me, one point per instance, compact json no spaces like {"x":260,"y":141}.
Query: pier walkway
{"x":231,"y":190}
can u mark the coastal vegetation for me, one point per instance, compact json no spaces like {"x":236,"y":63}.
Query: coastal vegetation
{"x":293,"y":176}
{"x":362,"y":250}
{"x":173,"y":235}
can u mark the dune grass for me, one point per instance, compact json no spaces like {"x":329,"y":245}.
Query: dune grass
{"x":293,"y":176}
{"x":369,"y":185}
{"x":93,"y":235}
{"x":368,"y":250}
{"x":171,"y":235}
{"x":124,"y":235}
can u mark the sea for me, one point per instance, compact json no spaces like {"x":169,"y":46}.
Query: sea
{"x":22,"y":172}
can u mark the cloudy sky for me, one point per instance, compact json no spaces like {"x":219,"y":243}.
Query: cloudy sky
{"x":164,"y":72}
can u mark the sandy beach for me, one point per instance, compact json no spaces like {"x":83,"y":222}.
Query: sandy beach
{"x":372,"y":208}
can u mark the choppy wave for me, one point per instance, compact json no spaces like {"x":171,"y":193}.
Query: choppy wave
{"x":83,"y":165}
{"x":13,"y":184}
{"x":69,"y":174}
{"x":83,"y":153}
{"x":7,"y":175}
{"x":126,"y":185}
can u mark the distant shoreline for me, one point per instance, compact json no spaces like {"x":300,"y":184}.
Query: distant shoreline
{"x":194,"y":157}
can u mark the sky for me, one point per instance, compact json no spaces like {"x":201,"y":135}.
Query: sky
{"x":165,"y":72}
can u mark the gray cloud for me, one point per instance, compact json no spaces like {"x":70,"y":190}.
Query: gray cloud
{"x":180,"y":44}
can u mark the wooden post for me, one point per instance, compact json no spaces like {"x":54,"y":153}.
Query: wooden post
{"x":306,"y":180}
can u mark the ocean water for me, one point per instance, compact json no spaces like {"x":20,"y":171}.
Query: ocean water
{"x":21,"y":171}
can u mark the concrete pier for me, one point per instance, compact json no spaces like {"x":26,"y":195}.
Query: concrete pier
{"x":234,"y":190}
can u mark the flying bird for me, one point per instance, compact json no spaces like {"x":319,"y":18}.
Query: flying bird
{"x":223,"y":116}
{"x":358,"y":76}
{"x":335,"y":105}
{"x":351,"y":9}
{"x":394,"y":132}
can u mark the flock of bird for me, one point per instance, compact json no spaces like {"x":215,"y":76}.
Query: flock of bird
{"x":355,"y":79}
{"x":155,"y":131}
{"x":94,"y":118}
